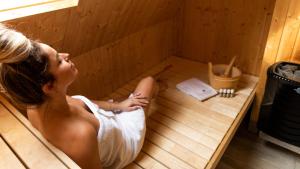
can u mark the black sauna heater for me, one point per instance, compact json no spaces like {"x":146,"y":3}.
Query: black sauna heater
{"x":280,"y":109}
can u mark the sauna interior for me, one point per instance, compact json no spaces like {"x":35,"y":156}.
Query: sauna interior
{"x":115,"y":43}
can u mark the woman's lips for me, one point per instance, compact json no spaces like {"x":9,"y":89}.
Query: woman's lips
{"x":72,"y":64}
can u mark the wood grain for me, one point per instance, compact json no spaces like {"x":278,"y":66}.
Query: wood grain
{"x":8,"y":158}
{"x":14,"y":133}
{"x":182,"y":129}
{"x":106,"y":68}
{"x":217,"y":30}
{"x":282,"y":45}
{"x":19,"y":122}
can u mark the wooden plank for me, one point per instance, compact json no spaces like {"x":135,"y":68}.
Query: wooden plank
{"x":294,"y":14}
{"x":164,"y":157}
{"x":229,"y":135}
{"x":197,"y":121}
{"x":57,"y":153}
{"x":198,"y":148}
{"x":133,"y":166}
{"x":211,"y":28}
{"x":290,"y":31}
{"x":8,"y":158}
{"x":185,"y":131}
{"x":44,"y":27}
{"x":24,"y":9}
{"x":296,"y":51}
{"x":270,"y":54}
{"x":148,"y":162}
{"x":102,"y":22}
{"x":177,"y":150}
{"x":13,"y":131}
{"x":108,"y":67}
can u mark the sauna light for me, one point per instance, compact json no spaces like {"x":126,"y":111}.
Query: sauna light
{"x":20,"y":8}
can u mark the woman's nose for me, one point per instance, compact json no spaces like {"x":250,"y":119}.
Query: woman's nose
{"x":65,"y":56}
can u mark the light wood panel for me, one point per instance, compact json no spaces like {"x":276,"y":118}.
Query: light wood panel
{"x":170,"y":139}
{"x":24,"y":144}
{"x":110,"y":41}
{"x":145,"y":161}
{"x":217,"y":30}
{"x":100,"y":22}
{"x":96,"y":22}
{"x":8,"y":158}
{"x":17,"y":9}
{"x":106,"y":68}
{"x":133,"y":166}
{"x":14,"y":127}
{"x":282,"y":45}
{"x":49,"y":27}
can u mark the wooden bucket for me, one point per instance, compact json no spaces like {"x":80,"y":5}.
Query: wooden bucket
{"x":217,"y":79}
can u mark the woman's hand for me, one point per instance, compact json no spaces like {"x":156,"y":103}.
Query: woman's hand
{"x":132,"y":103}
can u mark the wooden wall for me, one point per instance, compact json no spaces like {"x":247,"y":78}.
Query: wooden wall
{"x":216,"y":30}
{"x":259,"y":32}
{"x":283,"y":44}
{"x":106,"y":68}
{"x":113,"y":40}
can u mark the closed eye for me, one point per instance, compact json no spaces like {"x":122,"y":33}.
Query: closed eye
{"x":59,"y":60}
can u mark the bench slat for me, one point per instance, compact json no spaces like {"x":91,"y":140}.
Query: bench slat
{"x":178,"y":138}
{"x":148,"y":162}
{"x":8,"y":158}
{"x":185,"y":131}
{"x":26,"y":145}
{"x":175,"y":149}
{"x":197,"y":121}
{"x":133,"y":166}
{"x":61,"y":156}
{"x":164,"y":157}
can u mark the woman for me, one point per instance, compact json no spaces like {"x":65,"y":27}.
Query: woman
{"x":37,"y":76}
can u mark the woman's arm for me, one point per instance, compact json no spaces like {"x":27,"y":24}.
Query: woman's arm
{"x":107,"y":105}
{"x":83,"y":147}
{"x":129,"y":104}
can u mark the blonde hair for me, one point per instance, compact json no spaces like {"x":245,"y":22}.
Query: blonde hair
{"x":14,"y":46}
{"x":23,"y":68}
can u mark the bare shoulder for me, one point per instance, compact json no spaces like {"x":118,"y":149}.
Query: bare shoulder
{"x":81,"y":144}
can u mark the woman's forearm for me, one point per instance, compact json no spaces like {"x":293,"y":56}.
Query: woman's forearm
{"x":108,"y":106}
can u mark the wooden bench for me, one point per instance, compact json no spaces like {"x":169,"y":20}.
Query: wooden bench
{"x":22,"y":146}
{"x":182,"y":132}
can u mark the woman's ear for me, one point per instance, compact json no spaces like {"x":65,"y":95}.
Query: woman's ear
{"x":48,"y":88}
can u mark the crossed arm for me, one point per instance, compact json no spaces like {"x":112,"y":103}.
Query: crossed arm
{"x":129,"y":104}
{"x":141,"y":97}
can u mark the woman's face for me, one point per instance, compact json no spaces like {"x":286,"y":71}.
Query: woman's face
{"x":61,"y":67}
